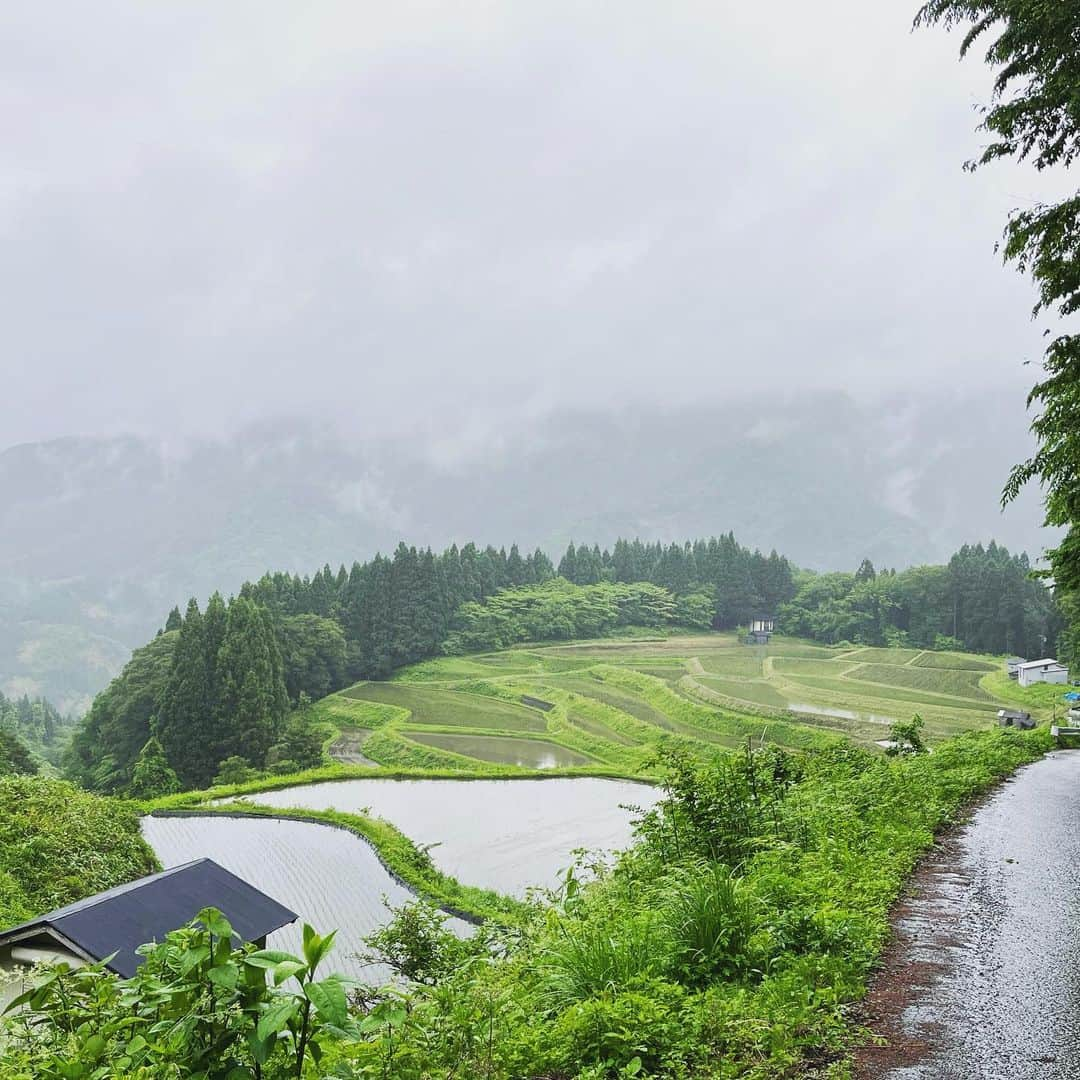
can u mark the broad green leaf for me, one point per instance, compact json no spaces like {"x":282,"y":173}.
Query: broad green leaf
{"x":329,"y":999}
{"x":276,"y":1017}
{"x":215,"y":922}
{"x":268,"y":958}
{"x":94,"y":1047}
{"x":286,"y":970}
{"x":317,"y":948}
{"x":226,"y":976}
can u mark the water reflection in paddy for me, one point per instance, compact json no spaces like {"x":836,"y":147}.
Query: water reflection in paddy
{"x":840,"y":714}
{"x":527,"y":753}
{"x":501,"y":834}
{"x":329,"y":877}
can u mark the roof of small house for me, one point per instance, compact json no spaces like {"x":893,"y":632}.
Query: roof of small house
{"x":1015,"y":661}
{"x":1046,"y":663}
{"x":121,"y":919}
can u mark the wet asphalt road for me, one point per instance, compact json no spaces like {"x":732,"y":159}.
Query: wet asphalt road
{"x":991,"y":941}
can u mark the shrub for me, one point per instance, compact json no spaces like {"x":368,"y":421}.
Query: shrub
{"x":643,"y":1023}
{"x":197,"y":1007}
{"x":601,"y":954}
{"x":709,"y":920}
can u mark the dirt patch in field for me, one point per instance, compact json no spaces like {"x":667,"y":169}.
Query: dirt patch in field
{"x":346,"y":748}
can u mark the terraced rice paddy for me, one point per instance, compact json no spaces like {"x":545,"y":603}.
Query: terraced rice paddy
{"x":525,"y":753}
{"x":442,"y":707}
{"x":330,"y":876}
{"x":612,"y":703}
{"x":506,"y":835}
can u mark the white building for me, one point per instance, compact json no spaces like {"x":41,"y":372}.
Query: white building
{"x":1036,"y":671}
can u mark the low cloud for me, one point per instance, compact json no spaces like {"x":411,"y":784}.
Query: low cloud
{"x":439,"y":219}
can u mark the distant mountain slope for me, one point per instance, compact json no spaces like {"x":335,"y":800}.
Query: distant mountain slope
{"x":100,"y":537}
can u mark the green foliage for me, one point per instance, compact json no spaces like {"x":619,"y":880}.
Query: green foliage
{"x":234,"y":770}
{"x":936,"y":680}
{"x":695,"y":610}
{"x":1031,"y":45}
{"x":452,"y":707}
{"x":722,"y":813}
{"x":592,"y":955}
{"x":416,"y":944}
{"x":300,"y":742}
{"x":700,"y":720}
{"x":985,"y":600}
{"x":107,"y":744}
{"x":14,"y":756}
{"x":58,"y":844}
{"x":906,"y":737}
{"x":313,"y":650}
{"x":730,"y":941}
{"x":219,"y":684}
{"x":710,"y":917}
{"x":252,"y":701}
{"x":35,"y":725}
{"x":196,"y":1007}
{"x":185,"y":723}
{"x":152,"y":775}
{"x":558,"y":610}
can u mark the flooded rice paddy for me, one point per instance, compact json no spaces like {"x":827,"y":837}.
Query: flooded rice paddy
{"x":329,"y":877}
{"x":840,"y":714}
{"x":505,"y":835}
{"x":503,"y":750}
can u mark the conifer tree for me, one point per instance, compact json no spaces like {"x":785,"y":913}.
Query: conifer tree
{"x":152,"y":775}
{"x":184,"y":725}
{"x":253,"y":701}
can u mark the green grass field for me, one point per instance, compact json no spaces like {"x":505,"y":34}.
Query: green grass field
{"x":612,"y":704}
{"x":448,"y":706}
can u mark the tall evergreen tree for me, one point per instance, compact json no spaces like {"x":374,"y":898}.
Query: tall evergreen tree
{"x":185,"y":726}
{"x":253,"y":702}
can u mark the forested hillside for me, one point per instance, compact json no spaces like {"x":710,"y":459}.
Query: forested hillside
{"x":984,"y":600}
{"x":138,"y":526}
{"x":38,"y":725}
{"x":223,"y":684}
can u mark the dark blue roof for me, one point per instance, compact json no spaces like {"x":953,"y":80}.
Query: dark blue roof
{"x":121,"y":919}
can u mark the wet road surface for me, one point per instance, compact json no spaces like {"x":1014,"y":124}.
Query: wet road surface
{"x":983,"y":979}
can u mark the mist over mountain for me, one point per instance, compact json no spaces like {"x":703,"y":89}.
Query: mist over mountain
{"x":100,"y":537}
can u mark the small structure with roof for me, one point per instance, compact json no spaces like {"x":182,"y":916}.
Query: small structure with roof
{"x":115,"y":923}
{"x":1012,"y":666}
{"x":1015,"y":718}
{"x":1037,"y":671}
{"x":761,"y":631}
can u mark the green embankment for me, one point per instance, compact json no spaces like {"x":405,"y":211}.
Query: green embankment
{"x":59,"y":844}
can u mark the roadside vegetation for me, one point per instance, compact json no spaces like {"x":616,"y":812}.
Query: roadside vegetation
{"x":732,"y":940}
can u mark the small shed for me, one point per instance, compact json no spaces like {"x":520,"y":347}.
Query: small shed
{"x":1012,"y":666}
{"x":761,"y":631}
{"x":1015,"y":718}
{"x":1037,"y":671}
{"x":120,"y":920}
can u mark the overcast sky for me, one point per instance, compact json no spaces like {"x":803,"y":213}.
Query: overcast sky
{"x":417,"y":214}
